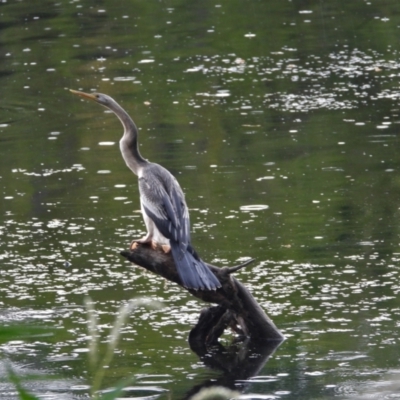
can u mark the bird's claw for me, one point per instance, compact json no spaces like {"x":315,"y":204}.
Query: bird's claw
{"x":135,"y":243}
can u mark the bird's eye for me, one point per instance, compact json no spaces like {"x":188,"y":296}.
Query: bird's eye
{"x":97,"y":96}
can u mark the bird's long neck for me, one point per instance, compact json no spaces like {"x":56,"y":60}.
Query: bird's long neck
{"x":129,"y":141}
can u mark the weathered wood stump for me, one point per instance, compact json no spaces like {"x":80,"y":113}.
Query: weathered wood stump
{"x":236,"y":307}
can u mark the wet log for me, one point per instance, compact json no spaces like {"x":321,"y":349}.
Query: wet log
{"x":236,"y":307}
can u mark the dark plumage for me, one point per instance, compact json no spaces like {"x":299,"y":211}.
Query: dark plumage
{"x":163,"y":204}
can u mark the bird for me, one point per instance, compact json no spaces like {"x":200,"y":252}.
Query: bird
{"x":163,"y":204}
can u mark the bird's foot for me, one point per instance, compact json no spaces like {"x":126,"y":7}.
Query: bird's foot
{"x":145,"y":240}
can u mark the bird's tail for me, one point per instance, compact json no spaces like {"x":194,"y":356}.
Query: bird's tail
{"x":193,"y":272}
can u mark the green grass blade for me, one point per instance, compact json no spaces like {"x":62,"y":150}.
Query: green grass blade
{"x":115,"y":334}
{"x":216,"y":393}
{"x":21,"y":332}
{"x":22,"y":393}
{"x":92,"y":323}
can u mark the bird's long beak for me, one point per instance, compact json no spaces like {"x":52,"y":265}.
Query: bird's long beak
{"x":83,"y":94}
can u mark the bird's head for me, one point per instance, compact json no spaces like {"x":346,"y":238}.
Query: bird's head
{"x":100,"y":98}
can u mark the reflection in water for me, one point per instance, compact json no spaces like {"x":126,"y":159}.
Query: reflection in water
{"x":238,"y":363}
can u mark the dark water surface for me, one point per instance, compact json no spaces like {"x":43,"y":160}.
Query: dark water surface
{"x":280,"y":120}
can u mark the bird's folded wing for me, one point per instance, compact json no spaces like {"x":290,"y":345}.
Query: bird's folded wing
{"x":167,"y":210}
